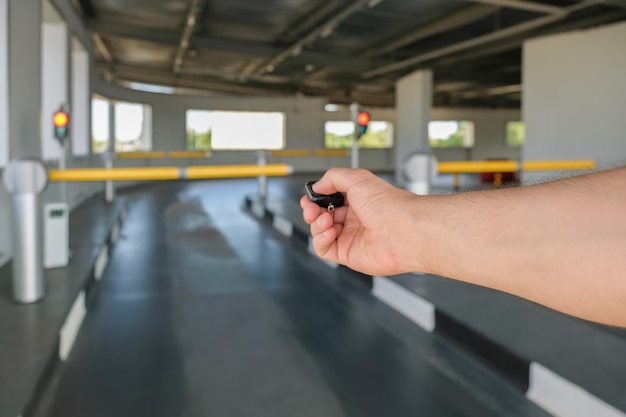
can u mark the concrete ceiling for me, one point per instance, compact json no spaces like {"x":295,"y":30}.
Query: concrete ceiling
{"x":343,"y":50}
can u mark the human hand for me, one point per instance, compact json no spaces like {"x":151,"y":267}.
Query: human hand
{"x":374,"y":233}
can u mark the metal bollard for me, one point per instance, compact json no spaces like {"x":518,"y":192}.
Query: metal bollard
{"x":262,"y":161}
{"x":420,"y":169}
{"x":25,"y":179}
{"x":109,"y":187}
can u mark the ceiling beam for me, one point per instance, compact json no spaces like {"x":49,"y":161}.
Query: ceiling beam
{"x":528,"y":6}
{"x":102,"y":48}
{"x":166,"y":78}
{"x":321,"y":31}
{"x":249,"y":49}
{"x":508,"y":45}
{"x":616,"y":3}
{"x":193,"y":14}
{"x":309,"y":20}
{"x":499,"y":35}
{"x":491,"y":91}
{"x":462,"y":17}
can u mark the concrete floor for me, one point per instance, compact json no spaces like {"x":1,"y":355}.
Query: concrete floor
{"x":203,"y":311}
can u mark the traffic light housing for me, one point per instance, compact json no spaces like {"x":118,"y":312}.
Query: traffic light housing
{"x":61,"y":122}
{"x":362,"y":122}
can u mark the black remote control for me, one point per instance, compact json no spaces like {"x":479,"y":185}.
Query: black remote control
{"x":327,"y":201}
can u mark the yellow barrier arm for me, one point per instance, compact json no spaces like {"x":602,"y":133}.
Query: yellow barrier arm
{"x":290,"y":153}
{"x":188,"y":154}
{"x":558,"y":165}
{"x":238,"y":171}
{"x":331,"y":152}
{"x":167,"y":173}
{"x":140,"y":155}
{"x":476,"y":167}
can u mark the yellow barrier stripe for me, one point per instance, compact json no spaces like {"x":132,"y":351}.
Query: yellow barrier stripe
{"x":115,"y":174}
{"x":238,"y":171}
{"x":331,"y":152}
{"x":290,"y":153}
{"x":558,"y":165}
{"x":140,"y":155}
{"x":167,"y":173}
{"x":475,"y":167}
{"x":188,"y":154}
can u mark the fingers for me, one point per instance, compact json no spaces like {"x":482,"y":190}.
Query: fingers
{"x":325,"y":227}
{"x":311,"y":211}
{"x":340,"y":179}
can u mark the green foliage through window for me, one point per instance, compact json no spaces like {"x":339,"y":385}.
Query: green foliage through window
{"x":338,"y":135}
{"x":210,"y":130}
{"x":451,"y":134}
{"x":515,"y":133}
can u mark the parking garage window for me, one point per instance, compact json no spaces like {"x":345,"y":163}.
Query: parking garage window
{"x":235,"y":130}
{"x":515,"y":133}
{"x":339,"y":134}
{"x":132,"y":125}
{"x":451,"y":134}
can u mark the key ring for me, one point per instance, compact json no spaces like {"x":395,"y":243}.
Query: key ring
{"x":328,"y":201}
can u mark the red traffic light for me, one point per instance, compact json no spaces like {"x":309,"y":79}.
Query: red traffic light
{"x":363,"y":118}
{"x":60,"y":119}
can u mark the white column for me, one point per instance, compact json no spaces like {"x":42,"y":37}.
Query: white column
{"x":413,"y":107}
{"x":577,"y":113}
{"x":4,"y":82}
{"x":81,"y":100}
{"x":24,"y":77}
{"x":54,"y":77}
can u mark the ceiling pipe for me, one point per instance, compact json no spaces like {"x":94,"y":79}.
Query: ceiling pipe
{"x":190,"y":25}
{"x":461,"y":18}
{"x":102,"y":48}
{"x":311,"y":19}
{"x":165,"y":78}
{"x":523,"y":5}
{"x":478,"y":41}
{"x":315,"y":34}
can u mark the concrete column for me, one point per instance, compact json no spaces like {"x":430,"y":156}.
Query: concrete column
{"x":25,"y":77}
{"x":413,"y":107}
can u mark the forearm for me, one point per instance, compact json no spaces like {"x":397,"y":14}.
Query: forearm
{"x":562,"y":244}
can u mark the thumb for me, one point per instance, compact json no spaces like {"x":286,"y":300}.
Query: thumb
{"x":340,"y":180}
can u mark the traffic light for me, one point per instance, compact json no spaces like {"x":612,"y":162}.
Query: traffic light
{"x":61,"y":121}
{"x":362,"y":121}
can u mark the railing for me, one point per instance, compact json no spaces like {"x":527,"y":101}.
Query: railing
{"x":162,"y":155}
{"x":499,"y":167}
{"x":167,"y":173}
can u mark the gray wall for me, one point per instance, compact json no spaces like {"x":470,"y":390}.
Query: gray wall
{"x":489,"y":134}
{"x":305,"y":118}
{"x":25,"y":17}
{"x":575,"y":96}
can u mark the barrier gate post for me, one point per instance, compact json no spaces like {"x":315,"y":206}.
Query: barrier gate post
{"x":262,"y":161}
{"x":25,"y":179}
{"x":109,"y":187}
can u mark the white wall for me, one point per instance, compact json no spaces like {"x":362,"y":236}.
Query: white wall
{"x":80,"y":106}
{"x":25,"y":103}
{"x":489,"y":134}
{"x":305,"y":118}
{"x":575,"y":95}
{"x":4,"y":83}
{"x":54,"y":83}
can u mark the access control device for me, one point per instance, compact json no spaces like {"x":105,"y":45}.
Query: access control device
{"x":327,"y":201}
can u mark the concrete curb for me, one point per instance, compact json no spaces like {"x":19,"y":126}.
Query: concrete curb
{"x":540,"y":385}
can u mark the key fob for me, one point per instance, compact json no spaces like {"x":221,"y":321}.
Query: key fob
{"x":327,"y":201}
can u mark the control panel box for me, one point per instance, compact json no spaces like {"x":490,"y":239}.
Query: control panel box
{"x":56,"y":235}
